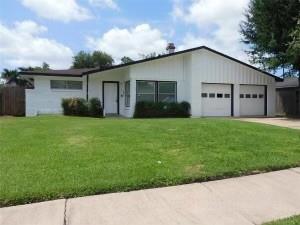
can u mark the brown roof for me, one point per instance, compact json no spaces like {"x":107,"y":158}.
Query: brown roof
{"x":81,"y":72}
{"x":65,"y":73}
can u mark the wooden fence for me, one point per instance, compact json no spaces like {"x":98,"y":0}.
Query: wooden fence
{"x":12,"y":101}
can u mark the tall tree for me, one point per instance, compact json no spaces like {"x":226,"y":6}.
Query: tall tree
{"x":293,"y":51}
{"x":92,"y":60}
{"x":83,"y":60}
{"x":126,"y":59}
{"x":102,"y":59}
{"x":267,"y":30}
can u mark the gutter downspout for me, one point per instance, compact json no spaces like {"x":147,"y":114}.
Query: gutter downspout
{"x":87,"y":87}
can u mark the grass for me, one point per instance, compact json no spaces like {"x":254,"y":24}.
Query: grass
{"x":52,"y":157}
{"x":290,"y":221}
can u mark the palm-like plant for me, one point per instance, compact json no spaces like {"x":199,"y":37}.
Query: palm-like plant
{"x":12,"y":76}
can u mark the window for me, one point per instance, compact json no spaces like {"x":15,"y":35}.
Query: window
{"x":204,"y":95}
{"x":167,"y":91}
{"x":145,"y":91}
{"x":241,"y":95}
{"x":156,"y":91}
{"x":227,"y":95}
{"x":219,"y":95}
{"x":127,"y":94}
{"x":248,"y":96}
{"x":254,"y":96}
{"x":212,"y":95}
{"x":261,"y":96}
{"x":66,"y":84}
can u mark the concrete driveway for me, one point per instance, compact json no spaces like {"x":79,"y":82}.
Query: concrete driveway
{"x":238,"y":201}
{"x":277,"y":121}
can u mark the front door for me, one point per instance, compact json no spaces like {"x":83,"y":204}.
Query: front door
{"x":111,"y":97}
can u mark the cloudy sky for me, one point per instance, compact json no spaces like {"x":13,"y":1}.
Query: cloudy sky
{"x":52,"y":31}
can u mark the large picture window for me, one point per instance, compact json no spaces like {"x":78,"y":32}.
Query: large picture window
{"x":167,"y":91}
{"x":156,"y":91}
{"x":145,"y":91}
{"x":127,"y":94}
{"x":66,"y":84}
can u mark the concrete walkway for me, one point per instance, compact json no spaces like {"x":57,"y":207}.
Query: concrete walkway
{"x":241,"y":201}
{"x":277,"y":121}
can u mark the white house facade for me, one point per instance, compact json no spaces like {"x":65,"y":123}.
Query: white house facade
{"x":213,"y":83}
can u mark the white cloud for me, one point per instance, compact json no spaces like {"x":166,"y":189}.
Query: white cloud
{"x":61,"y":10}
{"x":142,"y":39}
{"x":104,"y":4}
{"x":21,"y":45}
{"x":219,"y":18}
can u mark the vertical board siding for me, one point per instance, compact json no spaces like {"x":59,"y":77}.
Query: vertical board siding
{"x":12,"y":101}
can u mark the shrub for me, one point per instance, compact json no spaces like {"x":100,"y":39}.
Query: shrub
{"x":162,"y":110}
{"x":75,"y":106}
{"x":80,"y":107}
{"x":95,"y":108}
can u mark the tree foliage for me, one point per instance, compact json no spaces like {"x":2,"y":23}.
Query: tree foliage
{"x":92,"y":60}
{"x":45,"y":66}
{"x":13,"y":76}
{"x":126,"y":59}
{"x":268,"y":30}
{"x":293,"y":51}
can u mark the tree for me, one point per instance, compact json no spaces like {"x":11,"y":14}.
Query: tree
{"x":126,"y":60}
{"x":102,"y":59}
{"x":45,"y":66}
{"x":88,"y":60}
{"x":83,"y":60}
{"x":267,"y":30}
{"x":150,"y":55}
{"x":12,"y":76}
{"x":293,"y":51}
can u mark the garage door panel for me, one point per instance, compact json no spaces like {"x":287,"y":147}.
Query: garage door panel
{"x":216,"y":100}
{"x":252,"y":100}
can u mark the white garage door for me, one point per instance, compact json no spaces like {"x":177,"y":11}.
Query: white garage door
{"x":252,"y":100}
{"x":216,"y":100}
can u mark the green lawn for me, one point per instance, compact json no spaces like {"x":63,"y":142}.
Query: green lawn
{"x":52,"y":157}
{"x":290,"y":221}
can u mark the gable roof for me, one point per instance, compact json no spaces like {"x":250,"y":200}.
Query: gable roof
{"x":82,"y":72}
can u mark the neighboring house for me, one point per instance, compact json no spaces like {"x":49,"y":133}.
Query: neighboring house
{"x":213,"y":83}
{"x":288,"y":97}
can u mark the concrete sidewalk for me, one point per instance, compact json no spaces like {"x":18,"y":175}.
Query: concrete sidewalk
{"x":277,"y":121}
{"x":242,"y":201}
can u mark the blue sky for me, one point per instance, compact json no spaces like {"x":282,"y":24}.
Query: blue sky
{"x":33,"y":31}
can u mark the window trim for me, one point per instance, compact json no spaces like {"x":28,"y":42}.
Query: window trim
{"x":156,"y":88}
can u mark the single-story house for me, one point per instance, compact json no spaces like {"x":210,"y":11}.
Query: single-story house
{"x":213,"y":83}
{"x":288,"y":97}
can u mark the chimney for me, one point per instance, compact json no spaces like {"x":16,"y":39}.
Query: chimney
{"x":170,"y":48}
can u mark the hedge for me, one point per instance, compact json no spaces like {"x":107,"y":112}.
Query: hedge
{"x":162,"y":110}
{"x":80,"y":107}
